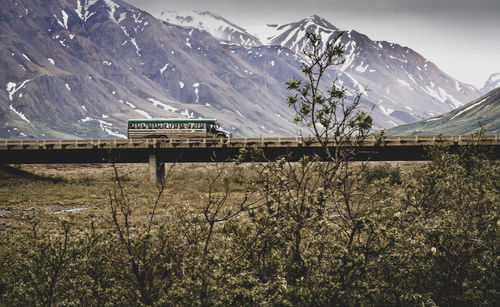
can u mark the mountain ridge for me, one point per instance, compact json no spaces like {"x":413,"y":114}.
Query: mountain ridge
{"x":492,"y":83}
{"x":440,"y":91}
{"x":468,"y":119}
{"x":81,"y":68}
{"x":217,"y":25}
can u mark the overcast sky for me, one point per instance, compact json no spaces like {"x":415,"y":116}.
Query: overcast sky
{"x":462,"y":37}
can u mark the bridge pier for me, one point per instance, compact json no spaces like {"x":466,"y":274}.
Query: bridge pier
{"x":156,"y":168}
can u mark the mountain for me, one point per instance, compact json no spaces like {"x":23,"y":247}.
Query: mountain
{"x":293,"y":35}
{"x":398,"y":83}
{"x":492,"y":83}
{"x":216,"y":25}
{"x":81,"y":68}
{"x":464,"y":120}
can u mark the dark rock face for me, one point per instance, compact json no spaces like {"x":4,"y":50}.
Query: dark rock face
{"x":81,"y":68}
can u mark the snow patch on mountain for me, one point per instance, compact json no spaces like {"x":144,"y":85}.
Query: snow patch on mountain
{"x":187,"y":114}
{"x":82,"y":9}
{"x":112,"y":9}
{"x":163,"y":69}
{"x":449,"y":98}
{"x":21,"y":115}
{"x":214,"y":24}
{"x":143,"y":113}
{"x":492,"y":83}
{"x":386,"y":110}
{"x":26,"y":57}
{"x":106,"y":127}
{"x":64,"y":22}
{"x":86,"y":119}
{"x":137,"y":49}
{"x":468,"y":108}
{"x":12,"y":89}
{"x":160,"y":104}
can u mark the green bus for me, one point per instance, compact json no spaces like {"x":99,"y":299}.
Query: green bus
{"x":176,"y":128}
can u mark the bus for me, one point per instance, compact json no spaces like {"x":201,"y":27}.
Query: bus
{"x":176,"y":128}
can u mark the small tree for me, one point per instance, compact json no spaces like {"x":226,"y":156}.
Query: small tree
{"x":148,"y":247}
{"x":331,"y":118}
{"x":314,"y":221}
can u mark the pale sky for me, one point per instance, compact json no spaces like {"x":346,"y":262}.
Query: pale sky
{"x":462,"y":37}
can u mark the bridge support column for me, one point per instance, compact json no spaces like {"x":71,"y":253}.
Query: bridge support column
{"x":156,"y":168}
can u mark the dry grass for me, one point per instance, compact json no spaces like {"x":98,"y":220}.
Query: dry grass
{"x":81,"y":191}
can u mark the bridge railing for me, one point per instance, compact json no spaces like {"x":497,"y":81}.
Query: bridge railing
{"x":243,"y":142}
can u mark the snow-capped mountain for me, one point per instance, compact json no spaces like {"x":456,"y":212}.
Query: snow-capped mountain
{"x":401,"y":85}
{"x":492,"y":83}
{"x":216,"y":25}
{"x":464,"y":120}
{"x":81,"y":68}
{"x":293,"y":35}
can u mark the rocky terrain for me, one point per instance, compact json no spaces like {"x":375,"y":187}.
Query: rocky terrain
{"x":81,"y":68}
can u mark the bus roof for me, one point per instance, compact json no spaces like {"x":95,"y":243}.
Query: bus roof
{"x":174,"y":120}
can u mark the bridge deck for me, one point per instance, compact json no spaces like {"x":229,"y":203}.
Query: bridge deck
{"x":206,"y":150}
{"x":157,"y":151}
{"x":371,"y":141}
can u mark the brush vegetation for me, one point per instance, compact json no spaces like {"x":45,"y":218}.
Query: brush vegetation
{"x":251,"y":234}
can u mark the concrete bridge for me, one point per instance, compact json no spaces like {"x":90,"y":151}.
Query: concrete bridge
{"x":156,"y":152}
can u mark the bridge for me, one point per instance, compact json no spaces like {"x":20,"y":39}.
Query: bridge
{"x":156,"y":152}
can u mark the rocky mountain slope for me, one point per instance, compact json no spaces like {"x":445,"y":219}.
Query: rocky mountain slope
{"x":464,"y":120}
{"x":81,"y":68}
